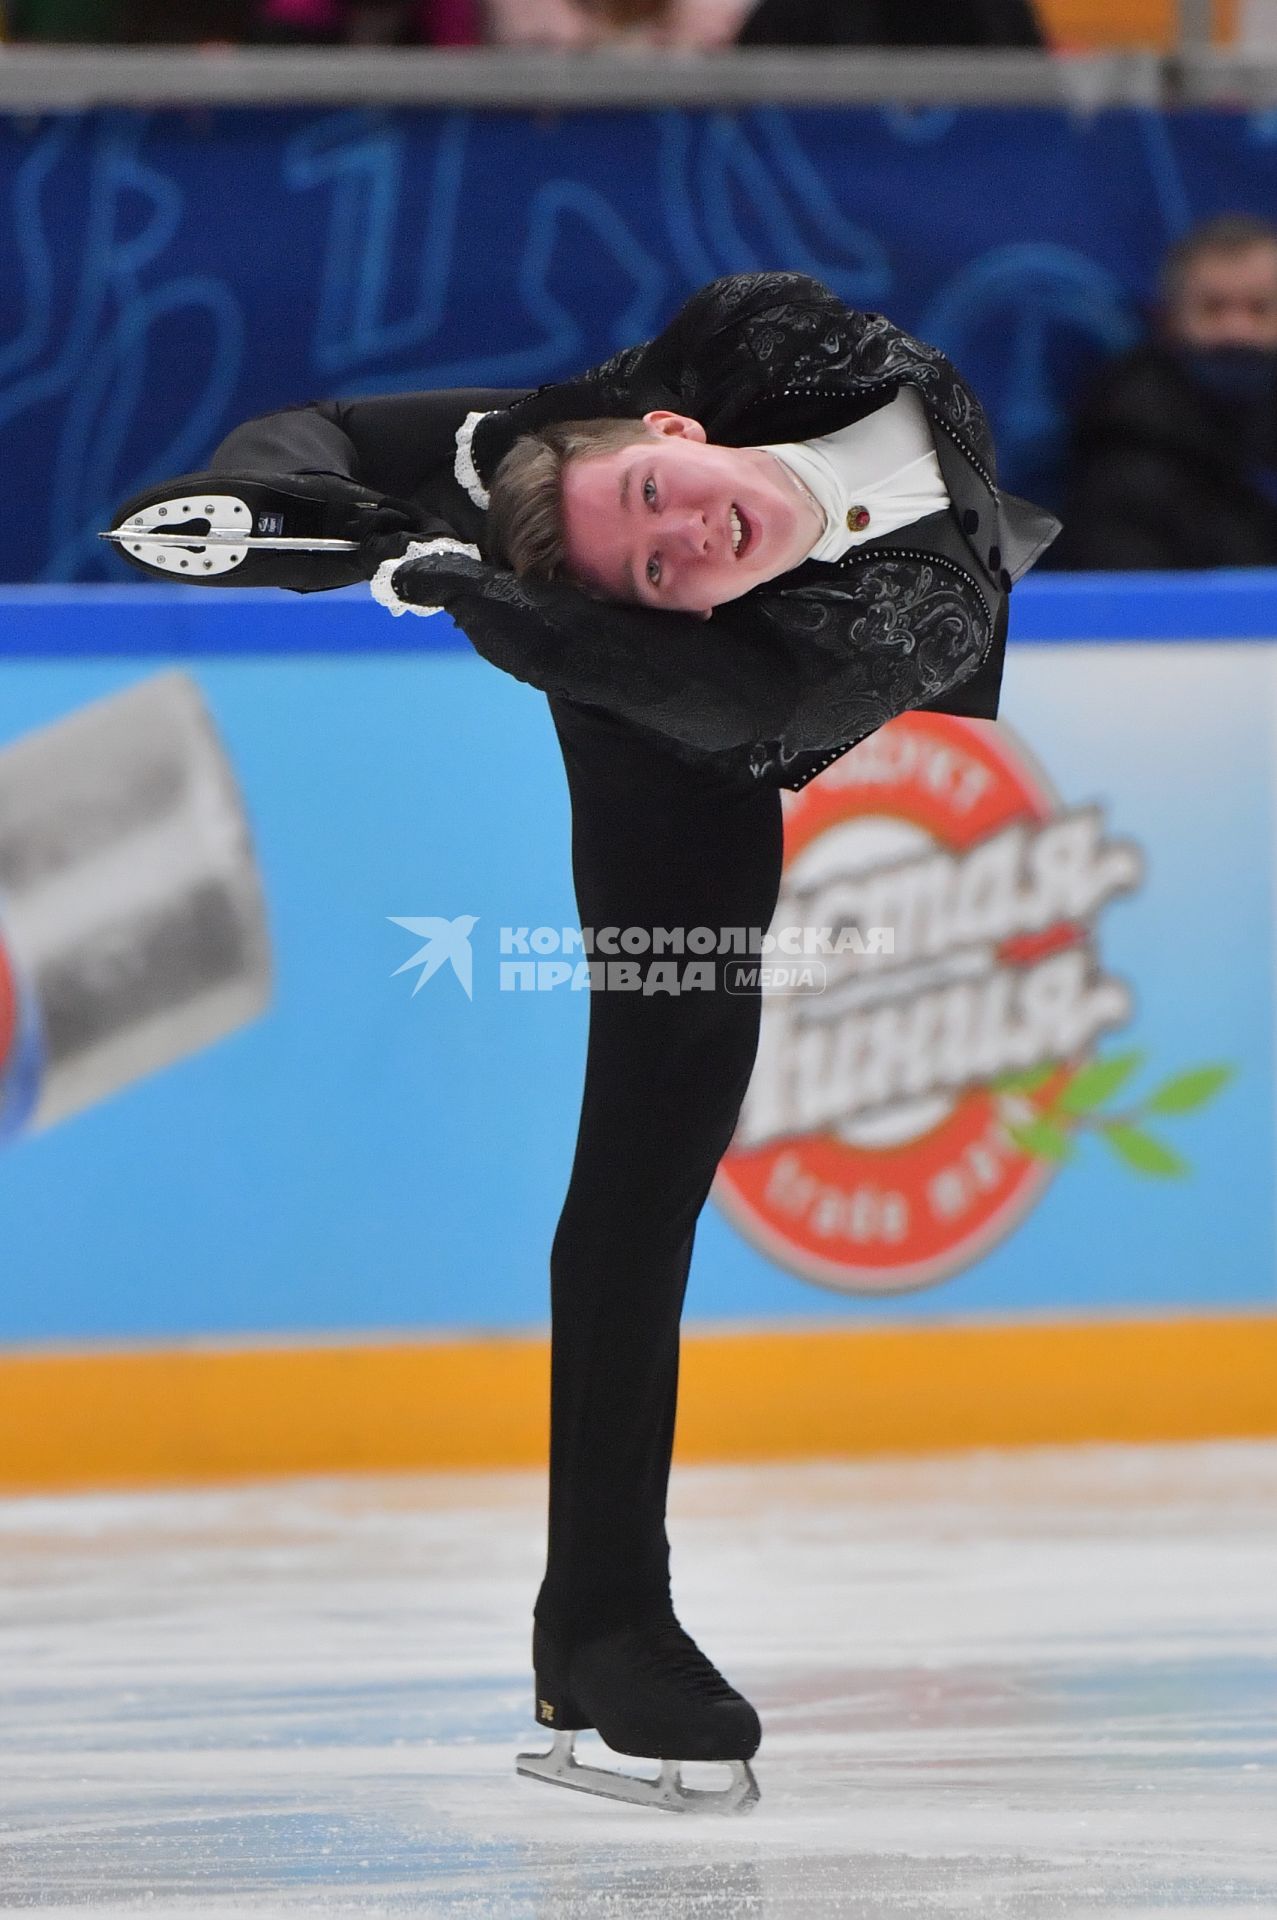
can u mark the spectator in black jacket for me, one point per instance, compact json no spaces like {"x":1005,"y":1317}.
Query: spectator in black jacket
{"x":703,"y":24}
{"x":1174,"y":460}
{"x":892,"y":23}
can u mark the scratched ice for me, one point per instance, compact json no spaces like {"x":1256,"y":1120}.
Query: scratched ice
{"x":1024,"y":1685}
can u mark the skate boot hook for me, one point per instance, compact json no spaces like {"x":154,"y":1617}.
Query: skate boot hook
{"x":650,"y":1693}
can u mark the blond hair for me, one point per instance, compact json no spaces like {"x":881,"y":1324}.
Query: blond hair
{"x":525,"y":528}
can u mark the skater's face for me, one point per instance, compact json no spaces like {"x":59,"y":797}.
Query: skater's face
{"x":671,"y":521}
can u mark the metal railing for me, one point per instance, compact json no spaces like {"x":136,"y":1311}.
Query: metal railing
{"x":59,"y":79}
{"x":1196,"y":24}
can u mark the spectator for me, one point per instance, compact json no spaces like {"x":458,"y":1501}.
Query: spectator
{"x":75,"y":20}
{"x":1175,"y":449}
{"x":429,"y":22}
{"x":159,"y":23}
{"x":539,"y":23}
{"x":696,"y":24}
{"x":892,"y":23}
{"x":432,"y":23}
{"x":693,"y":24}
{"x":130,"y":21}
{"x":810,"y":23}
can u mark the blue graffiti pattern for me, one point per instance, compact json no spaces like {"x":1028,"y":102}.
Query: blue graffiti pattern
{"x":172,"y":273}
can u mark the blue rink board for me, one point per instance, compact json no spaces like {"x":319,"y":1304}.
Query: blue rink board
{"x":102,"y":622}
{"x":366,"y":1159}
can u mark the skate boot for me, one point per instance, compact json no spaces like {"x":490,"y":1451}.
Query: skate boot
{"x":648,"y":1691}
{"x":223,"y":529}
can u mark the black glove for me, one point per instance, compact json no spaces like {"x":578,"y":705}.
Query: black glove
{"x":384,"y":527}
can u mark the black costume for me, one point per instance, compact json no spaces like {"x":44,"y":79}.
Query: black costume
{"x":1167,"y":474}
{"x":676,"y":734}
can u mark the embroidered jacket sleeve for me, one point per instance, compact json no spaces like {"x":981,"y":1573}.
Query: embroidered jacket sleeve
{"x":768,"y":679}
{"x":881,"y":639}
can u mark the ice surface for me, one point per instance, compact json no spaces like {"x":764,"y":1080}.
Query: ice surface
{"x":1023,"y":1685}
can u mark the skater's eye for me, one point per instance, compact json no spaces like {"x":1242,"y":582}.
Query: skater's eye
{"x":653,"y":572}
{"x":649,"y":491}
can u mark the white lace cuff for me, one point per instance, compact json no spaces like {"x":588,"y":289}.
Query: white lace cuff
{"x":383,"y":581}
{"x":466,"y":471}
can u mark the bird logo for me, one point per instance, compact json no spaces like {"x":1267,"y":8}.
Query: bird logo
{"x":446,"y":941}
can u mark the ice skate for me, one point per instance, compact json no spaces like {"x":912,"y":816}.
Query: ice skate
{"x":208,"y":527}
{"x":648,"y":1692}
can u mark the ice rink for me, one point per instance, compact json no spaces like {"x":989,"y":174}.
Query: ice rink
{"x":1026,"y":1685}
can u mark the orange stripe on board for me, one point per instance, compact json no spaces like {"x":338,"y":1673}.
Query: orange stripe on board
{"x":1075,"y":24}
{"x":145,"y":1418}
{"x":921,"y":1389}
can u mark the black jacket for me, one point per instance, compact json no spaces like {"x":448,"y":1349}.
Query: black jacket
{"x":778,"y":683}
{"x":892,"y":23}
{"x":1160,"y":476}
{"x":784,"y":680}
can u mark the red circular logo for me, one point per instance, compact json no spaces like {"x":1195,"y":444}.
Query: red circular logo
{"x":871,"y":1154}
{"x":8,"y":1008}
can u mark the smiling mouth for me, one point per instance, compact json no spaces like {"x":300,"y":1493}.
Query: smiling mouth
{"x":742,"y":532}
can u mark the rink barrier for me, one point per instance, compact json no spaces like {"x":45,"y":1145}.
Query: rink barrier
{"x":1149,"y":63}
{"x":205,"y":1413}
{"x":156,"y":1335}
{"x":64,"y":79}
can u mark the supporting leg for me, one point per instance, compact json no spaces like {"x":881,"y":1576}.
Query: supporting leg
{"x":656,"y":844}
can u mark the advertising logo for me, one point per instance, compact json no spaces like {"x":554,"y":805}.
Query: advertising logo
{"x":21,"y":1050}
{"x":447,"y":943}
{"x":888,"y":1137}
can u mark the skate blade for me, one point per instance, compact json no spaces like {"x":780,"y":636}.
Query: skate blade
{"x":561,"y":1768}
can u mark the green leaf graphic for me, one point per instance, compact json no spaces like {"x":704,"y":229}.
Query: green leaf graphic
{"x":1188,"y":1090}
{"x":1144,"y":1152}
{"x":1097,"y":1082}
{"x":1027,"y":1082}
{"x":1042,"y":1140}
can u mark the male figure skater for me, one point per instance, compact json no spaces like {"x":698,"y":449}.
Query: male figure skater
{"x":726,"y":555}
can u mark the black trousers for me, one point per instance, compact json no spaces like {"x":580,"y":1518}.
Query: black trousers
{"x":655,"y":844}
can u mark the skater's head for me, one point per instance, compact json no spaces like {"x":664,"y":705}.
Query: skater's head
{"x":648,"y":511}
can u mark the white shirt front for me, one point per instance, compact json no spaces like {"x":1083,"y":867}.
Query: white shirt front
{"x":871,"y":478}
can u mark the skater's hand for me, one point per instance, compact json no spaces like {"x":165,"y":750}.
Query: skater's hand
{"x":385,"y":533}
